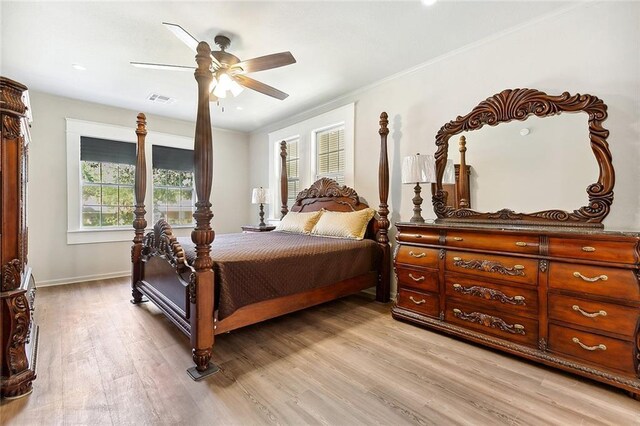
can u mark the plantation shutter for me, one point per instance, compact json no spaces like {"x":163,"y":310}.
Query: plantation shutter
{"x":330,"y":154}
{"x":293,"y":171}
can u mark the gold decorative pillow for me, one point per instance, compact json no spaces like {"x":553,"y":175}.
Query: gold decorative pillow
{"x":300,"y":223}
{"x":344,"y":224}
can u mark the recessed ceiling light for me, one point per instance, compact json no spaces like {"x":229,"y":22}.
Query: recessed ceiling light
{"x":78,"y":67}
{"x":239,"y":108}
{"x":429,"y":2}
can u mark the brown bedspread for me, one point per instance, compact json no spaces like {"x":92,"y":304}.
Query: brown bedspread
{"x":253,"y":267}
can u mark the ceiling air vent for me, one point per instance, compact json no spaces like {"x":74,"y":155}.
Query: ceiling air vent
{"x":160,"y":99}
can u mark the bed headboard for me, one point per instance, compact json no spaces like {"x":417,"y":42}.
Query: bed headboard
{"x":328,"y":194}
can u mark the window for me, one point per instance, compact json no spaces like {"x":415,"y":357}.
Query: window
{"x":293,"y":168}
{"x":107,"y":182}
{"x":100,"y":180}
{"x":173,"y":191}
{"x":321,"y":146}
{"x":330,"y":154}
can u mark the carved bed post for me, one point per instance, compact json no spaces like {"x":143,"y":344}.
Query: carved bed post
{"x":284,"y":180}
{"x":139,"y":223}
{"x":463,"y":203}
{"x":201,"y":287}
{"x":382,"y":237}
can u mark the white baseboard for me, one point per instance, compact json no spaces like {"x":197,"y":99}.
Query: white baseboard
{"x":75,"y":280}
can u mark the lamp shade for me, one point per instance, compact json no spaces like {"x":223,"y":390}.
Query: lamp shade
{"x":260,"y":196}
{"x":418,"y":169}
{"x":449,"y":173}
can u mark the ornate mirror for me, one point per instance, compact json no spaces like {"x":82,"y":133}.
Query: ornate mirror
{"x":535,"y":165}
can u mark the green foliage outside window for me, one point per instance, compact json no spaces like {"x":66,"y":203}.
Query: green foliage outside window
{"x":107,"y":194}
{"x":173,"y":196}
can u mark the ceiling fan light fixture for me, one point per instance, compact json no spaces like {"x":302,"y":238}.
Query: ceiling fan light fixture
{"x":219,"y":91}
{"x":235,"y":88}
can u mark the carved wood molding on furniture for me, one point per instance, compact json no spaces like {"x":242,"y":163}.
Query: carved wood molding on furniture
{"x":204,"y":300}
{"x":568,"y":297}
{"x":19,"y":332}
{"x":519,"y":104}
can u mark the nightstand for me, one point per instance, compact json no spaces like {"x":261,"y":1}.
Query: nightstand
{"x":256,"y":228}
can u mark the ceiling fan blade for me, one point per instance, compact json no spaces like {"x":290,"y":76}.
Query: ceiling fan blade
{"x":162,"y":66}
{"x":187,"y":39}
{"x":260,"y":87}
{"x":266,"y":62}
{"x":183,"y":35}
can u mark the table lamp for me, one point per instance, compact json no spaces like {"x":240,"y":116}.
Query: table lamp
{"x":261,"y":196}
{"x":418,"y":169}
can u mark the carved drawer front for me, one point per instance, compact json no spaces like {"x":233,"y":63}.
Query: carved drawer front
{"x":614,"y":251}
{"x":421,"y":236}
{"x":417,"y":256}
{"x":496,"y":267}
{"x":602,"y":351}
{"x":498,"y":242}
{"x":486,"y":320}
{"x":421,"y":279}
{"x":426,"y":304}
{"x":593,"y":314}
{"x":517,"y":300}
{"x":599,"y":280}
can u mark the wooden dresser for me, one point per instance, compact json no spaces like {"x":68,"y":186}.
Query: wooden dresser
{"x":566,"y":297}
{"x":19,"y":338}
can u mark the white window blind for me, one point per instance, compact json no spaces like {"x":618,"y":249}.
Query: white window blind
{"x":293,"y":170}
{"x":330,"y":161}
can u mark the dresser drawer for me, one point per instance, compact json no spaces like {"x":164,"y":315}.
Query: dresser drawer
{"x":599,"y":280}
{"x":426,"y":304}
{"x":485,"y":320}
{"x":496,"y":267}
{"x":420,"y":236}
{"x":519,"y":301}
{"x":614,"y":251}
{"x":593,"y":348}
{"x":499,"y":242}
{"x":421,"y":279}
{"x":597,"y":315}
{"x":417,"y":256}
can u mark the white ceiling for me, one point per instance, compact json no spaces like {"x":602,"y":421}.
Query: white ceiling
{"x":339,"y":47}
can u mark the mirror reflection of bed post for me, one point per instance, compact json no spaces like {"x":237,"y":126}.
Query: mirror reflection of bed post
{"x":463,"y":180}
{"x":284,"y":181}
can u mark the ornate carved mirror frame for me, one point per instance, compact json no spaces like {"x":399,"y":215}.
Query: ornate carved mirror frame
{"x":519,"y":104}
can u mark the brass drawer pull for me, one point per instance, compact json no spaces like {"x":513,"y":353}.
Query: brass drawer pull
{"x":457,"y":239}
{"x":518,"y":267}
{"x":417,"y":302}
{"x":588,"y":314}
{"x":418,"y":279}
{"x":590,"y":280}
{"x":589,"y":348}
{"x":521,"y":244}
{"x":457,"y":259}
{"x":588,"y":249}
{"x":417,"y":255}
{"x":417,"y":236}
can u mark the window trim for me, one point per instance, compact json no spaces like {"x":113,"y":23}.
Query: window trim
{"x":305,"y":131}
{"x":74,"y":130}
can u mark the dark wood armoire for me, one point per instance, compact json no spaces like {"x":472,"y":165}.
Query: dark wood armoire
{"x":19,"y":338}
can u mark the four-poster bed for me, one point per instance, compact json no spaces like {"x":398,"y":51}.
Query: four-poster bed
{"x":205,"y":295}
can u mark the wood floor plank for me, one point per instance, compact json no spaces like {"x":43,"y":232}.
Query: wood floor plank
{"x":105,"y":361}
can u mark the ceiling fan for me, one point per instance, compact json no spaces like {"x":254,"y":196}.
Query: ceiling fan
{"x":229,"y":72}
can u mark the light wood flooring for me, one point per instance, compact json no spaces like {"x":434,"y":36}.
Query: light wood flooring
{"x":105,"y":361}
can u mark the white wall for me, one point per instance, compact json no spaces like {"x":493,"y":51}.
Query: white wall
{"x":592,"y":48}
{"x":52,"y":260}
